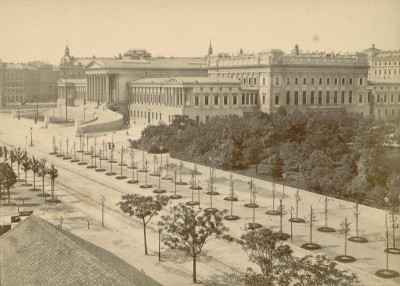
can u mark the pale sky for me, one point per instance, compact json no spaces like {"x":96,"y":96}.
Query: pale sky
{"x":39,"y":29}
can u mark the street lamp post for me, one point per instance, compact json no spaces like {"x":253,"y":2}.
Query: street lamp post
{"x":102,"y":210}
{"x":31,"y":130}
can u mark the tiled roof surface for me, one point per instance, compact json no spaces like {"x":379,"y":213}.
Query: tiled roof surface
{"x":188,"y":80}
{"x":37,"y":253}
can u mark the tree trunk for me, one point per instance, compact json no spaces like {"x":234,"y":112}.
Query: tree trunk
{"x":26,"y":177}
{"x":144,"y":235}
{"x":256,"y":169}
{"x":194,"y":269}
{"x":34,"y":181}
{"x":43,"y":185}
{"x":8,"y":193}
{"x":18,"y":171}
{"x":52,"y":189}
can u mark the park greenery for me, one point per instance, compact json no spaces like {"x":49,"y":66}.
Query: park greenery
{"x":279,"y":266}
{"x":339,"y":154}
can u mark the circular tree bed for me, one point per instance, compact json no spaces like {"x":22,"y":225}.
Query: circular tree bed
{"x":326,"y":229}
{"x":154,"y":175}
{"x":121,"y":177}
{"x":345,"y":258}
{"x":88,"y":153}
{"x":67,"y":158}
{"x":196,"y":188}
{"x":159,"y":191}
{"x":54,"y":153}
{"x":60,"y":155}
{"x":111,"y":173}
{"x":145,"y":186}
{"x":386,"y":273}
{"x":26,"y":185}
{"x":82,"y":163}
{"x":100,"y":170}
{"x":167,"y":178}
{"x":181,"y":183}
{"x":192,"y":203}
{"x":123,"y":165}
{"x":74,"y":161}
{"x":273,"y":212}
{"x":143,"y":171}
{"x":175,"y":197}
{"x":133,"y":182}
{"x":130,"y":167}
{"x":210,"y":210}
{"x":358,"y":239}
{"x":8,"y":204}
{"x":212,"y":193}
{"x":35,"y":190}
{"x":297,"y":220}
{"x":91,"y":167}
{"x":254,"y":225}
{"x":113,"y":161}
{"x":231,"y":199}
{"x":103,"y":158}
{"x":392,"y":250}
{"x":55,"y":201}
{"x":253,"y":206}
{"x":231,"y":217}
{"x":43,"y":196}
{"x":311,"y":246}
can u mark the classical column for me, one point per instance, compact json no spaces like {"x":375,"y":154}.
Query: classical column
{"x":117,"y":96}
{"x":183,"y":98}
{"x":107,"y":93}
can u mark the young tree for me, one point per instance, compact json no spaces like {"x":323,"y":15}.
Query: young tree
{"x":35,"y":167}
{"x":26,"y":166}
{"x":9,"y":177}
{"x":266,"y":249}
{"x":143,"y":207}
{"x":43,"y":171}
{"x":319,"y":270}
{"x":252,"y":151}
{"x":311,"y":219}
{"x":20,"y":157}
{"x":189,"y":230}
{"x":277,"y":166}
{"x":5,"y":153}
{"x":53,"y":172}
{"x":13,"y":157}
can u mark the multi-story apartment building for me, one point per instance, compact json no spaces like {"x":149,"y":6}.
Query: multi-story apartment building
{"x":384,"y":82}
{"x":32,"y":82}
{"x":298,"y":81}
{"x":156,"y":100}
{"x":48,"y":77}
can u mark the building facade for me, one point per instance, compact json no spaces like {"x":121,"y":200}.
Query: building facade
{"x":158,"y":100}
{"x":298,"y":81}
{"x":72,"y":82}
{"x":48,"y":77}
{"x":384,"y":82}
{"x":107,"y":79}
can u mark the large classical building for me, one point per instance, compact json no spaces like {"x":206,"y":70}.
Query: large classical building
{"x":298,"y":81}
{"x":384,"y":82}
{"x":158,"y":100}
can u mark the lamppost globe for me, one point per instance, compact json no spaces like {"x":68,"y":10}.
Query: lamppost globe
{"x":386,"y":199}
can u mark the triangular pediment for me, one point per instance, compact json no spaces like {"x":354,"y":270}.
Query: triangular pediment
{"x":95,"y":65}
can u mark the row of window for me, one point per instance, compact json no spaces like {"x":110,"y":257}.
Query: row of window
{"x":386,"y":112}
{"x":384,"y":63}
{"x":247,"y":99}
{"x":320,"y":80}
{"x":386,"y":71}
{"x":384,"y":97}
{"x":317,"y":99}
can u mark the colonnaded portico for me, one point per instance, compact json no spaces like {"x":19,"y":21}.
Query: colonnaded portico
{"x":103,"y":87}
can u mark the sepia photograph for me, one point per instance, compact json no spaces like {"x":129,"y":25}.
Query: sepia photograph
{"x":209,"y":142}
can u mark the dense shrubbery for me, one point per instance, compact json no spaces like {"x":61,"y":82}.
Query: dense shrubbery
{"x":338,"y":153}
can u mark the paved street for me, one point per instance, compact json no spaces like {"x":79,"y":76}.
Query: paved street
{"x":80,"y":190}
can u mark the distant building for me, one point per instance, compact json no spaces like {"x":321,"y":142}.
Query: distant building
{"x":72,"y":82}
{"x":36,"y":252}
{"x":158,"y":100}
{"x":22,"y":83}
{"x":384,"y":82}
{"x":107,"y":79}
{"x":297,"y":81}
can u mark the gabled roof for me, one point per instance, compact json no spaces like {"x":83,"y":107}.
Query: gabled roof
{"x":37,"y":253}
{"x":171,"y":63}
